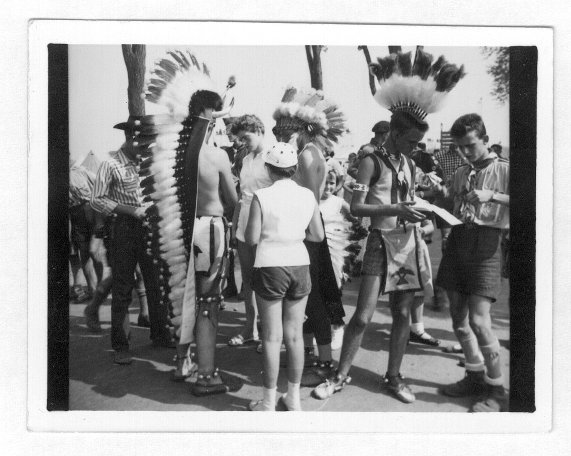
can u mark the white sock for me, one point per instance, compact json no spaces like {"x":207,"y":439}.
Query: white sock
{"x":269,"y":401}
{"x":417,"y":328}
{"x":292,"y":398}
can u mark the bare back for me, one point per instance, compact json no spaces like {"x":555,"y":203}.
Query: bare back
{"x":311,"y":172}
{"x":214,"y":181}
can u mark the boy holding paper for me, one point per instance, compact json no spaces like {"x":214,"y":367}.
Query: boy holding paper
{"x":470,"y":268}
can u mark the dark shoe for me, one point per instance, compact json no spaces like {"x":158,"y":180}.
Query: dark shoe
{"x":471,"y":385}
{"x":143,"y":321}
{"x":398,"y":388}
{"x":209,"y":384}
{"x":424,"y":338}
{"x":330,"y":387}
{"x":92,"y":319}
{"x":123,"y":358}
{"x":317,"y":375}
{"x":493,"y":400}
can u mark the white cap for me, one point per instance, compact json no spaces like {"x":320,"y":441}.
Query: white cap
{"x":281,"y":155}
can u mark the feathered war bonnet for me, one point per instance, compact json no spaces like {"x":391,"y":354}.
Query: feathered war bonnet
{"x":417,"y":88}
{"x":165,"y":142}
{"x":314,"y":118}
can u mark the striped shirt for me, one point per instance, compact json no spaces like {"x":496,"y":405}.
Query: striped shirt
{"x":496,"y":177}
{"x":449,"y":162}
{"x":117,"y":182}
{"x":80,"y":185}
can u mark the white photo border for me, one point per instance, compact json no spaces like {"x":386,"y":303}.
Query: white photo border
{"x":44,"y":32}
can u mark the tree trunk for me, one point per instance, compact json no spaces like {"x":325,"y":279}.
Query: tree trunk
{"x":313,"y":54}
{"x":371,"y":77}
{"x":134,"y":56}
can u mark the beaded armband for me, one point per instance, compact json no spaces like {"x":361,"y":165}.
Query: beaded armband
{"x":360,"y":188}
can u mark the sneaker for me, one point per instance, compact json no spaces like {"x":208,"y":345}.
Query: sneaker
{"x":316,"y":375}
{"x":493,"y":400}
{"x":337,"y":337}
{"x":471,"y":385}
{"x":424,"y":338}
{"x":398,"y":388}
{"x":330,"y":387}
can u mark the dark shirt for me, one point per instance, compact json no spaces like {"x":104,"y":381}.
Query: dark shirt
{"x":427,"y":163}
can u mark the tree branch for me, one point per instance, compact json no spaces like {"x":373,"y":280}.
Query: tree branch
{"x":372,"y":86}
{"x":134,"y":56}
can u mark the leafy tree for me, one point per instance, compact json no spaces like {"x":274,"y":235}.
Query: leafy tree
{"x":499,"y":69}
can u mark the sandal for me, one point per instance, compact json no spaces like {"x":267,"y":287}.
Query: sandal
{"x":424,"y":338}
{"x":209,"y":384}
{"x":330,"y":387}
{"x":256,"y":406}
{"x":185,"y":368}
{"x":457,"y":348}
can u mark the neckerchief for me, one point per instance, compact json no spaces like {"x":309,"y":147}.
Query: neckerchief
{"x":468,"y":210}
{"x":399,"y":183}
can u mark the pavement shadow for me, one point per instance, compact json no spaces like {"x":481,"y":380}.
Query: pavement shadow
{"x":149,"y":376}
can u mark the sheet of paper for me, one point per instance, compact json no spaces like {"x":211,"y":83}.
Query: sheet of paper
{"x":424,"y":205}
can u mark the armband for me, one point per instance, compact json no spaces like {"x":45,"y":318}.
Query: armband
{"x":360,"y":188}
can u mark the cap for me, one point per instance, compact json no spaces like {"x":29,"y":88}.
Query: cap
{"x":130,"y":125}
{"x":281,"y":155}
{"x":381,"y":127}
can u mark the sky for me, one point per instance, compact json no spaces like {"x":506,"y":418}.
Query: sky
{"x":98,"y":89}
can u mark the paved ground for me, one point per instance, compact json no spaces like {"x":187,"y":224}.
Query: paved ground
{"x":97,"y":384}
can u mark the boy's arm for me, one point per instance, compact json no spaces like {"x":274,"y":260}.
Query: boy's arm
{"x":360,"y":208}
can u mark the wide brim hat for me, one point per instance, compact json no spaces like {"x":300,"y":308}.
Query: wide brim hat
{"x":281,"y":155}
{"x":132,"y":124}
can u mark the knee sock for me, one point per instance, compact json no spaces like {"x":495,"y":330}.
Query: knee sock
{"x":491,"y":354}
{"x":269,"y":400}
{"x":474,"y":358}
{"x":292,"y":398}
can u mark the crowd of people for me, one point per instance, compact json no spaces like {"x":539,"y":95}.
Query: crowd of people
{"x":295,"y":217}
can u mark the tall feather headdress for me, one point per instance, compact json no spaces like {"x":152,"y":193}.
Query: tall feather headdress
{"x":417,"y":88}
{"x":169,"y":144}
{"x":315,"y":118}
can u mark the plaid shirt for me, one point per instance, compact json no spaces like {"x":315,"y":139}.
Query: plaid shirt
{"x":449,"y":162}
{"x":117,"y":182}
{"x":80,"y":185}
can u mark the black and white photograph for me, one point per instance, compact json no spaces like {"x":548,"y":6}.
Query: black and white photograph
{"x":234,"y":224}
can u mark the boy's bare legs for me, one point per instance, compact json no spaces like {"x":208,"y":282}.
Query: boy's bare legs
{"x":366,"y":305}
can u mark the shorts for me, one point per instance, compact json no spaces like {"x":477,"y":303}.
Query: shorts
{"x":374,"y":261}
{"x":471,"y":264}
{"x":82,"y":222}
{"x":279,"y":282}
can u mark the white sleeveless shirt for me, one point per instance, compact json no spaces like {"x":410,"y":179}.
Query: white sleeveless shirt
{"x":287,"y":209}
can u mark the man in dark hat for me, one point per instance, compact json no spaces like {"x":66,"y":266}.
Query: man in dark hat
{"x":381,"y":131}
{"x":117,"y":193}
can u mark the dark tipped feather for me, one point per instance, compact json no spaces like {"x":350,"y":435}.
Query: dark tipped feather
{"x":403,"y":64}
{"x":422,"y":64}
